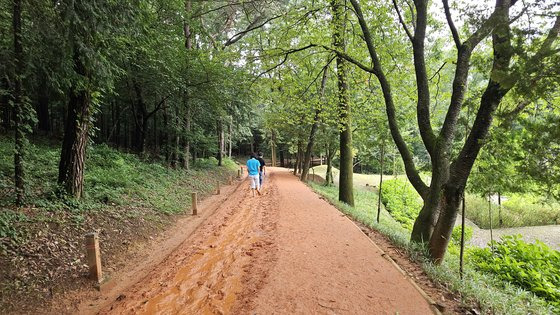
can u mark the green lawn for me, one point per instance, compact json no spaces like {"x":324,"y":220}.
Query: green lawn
{"x":360,"y":180}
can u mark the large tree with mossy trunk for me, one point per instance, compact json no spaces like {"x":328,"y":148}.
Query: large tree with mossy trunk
{"x":449,"y":171}
{"x":345,"y":180}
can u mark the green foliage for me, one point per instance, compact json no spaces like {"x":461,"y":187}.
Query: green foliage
{"x":456,"y":234}
{"x":11,"y":233}
{"x":518,"y":210}
{"x":534,"y":267}
{"x":111,"y":178}
{"x":401,"y":200}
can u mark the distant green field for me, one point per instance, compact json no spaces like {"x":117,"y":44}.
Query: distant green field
{"x":360,"y":180}
{"x":519,"y":210}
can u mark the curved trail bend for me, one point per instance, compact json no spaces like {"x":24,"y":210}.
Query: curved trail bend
{"x":285,"y":252}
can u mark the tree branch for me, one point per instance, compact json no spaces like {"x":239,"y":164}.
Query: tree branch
{"x":451,"y":24}
{"x":324,"y":71}
{"x":158,"y":107}
{"x":402,"y":20}
{"x":249,"y":28}
{"x":286,"y":54}
{"x":423,"y":88}
{"x":348,"y":58}
{"x":410,"y":168}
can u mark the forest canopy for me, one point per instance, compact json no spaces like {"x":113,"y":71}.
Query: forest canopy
{"x":458,"y":96}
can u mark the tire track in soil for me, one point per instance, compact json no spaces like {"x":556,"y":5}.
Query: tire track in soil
{"x":221,"y":271}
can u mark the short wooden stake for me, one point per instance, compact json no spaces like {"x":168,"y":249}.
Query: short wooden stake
{"x":238,"y":173}
{"x":241,"y":171}
{"x":94,"y":257}
{"x":194,"y":203}
{"x":230,"y":180}
{"x":217,"y":187}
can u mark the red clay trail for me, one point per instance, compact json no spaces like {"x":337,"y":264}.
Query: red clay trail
{"x":285,"y":252}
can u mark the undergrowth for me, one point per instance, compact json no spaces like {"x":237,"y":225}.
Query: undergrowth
{"x":534,"y":267}
{"x":115,"y":184}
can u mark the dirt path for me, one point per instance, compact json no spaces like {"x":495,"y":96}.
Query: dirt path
{"x":285,"y":252}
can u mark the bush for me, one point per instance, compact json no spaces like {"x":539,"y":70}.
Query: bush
{"x":534,"y":267}
{"x":456,"y":234}
{"x":401,"y":200}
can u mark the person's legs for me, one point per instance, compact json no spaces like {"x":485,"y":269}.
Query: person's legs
{"x":252,"y":183}
{"x":255,"y":184}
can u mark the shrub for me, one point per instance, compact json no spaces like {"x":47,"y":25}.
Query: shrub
{"x":456,"y":234}
{"x":534,"y":267}
{"x":401,"y":200}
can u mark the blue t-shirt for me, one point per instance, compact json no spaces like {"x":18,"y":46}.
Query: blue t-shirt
{"x":253,"y":166}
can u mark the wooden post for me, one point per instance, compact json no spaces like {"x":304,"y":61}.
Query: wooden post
{"x":93,"y":256}
{"x":217,"y":187}
{"x":238,"y":174}
{"x":230,"y":180}
{"x":194,"y":203}
{"x":241,"y":170}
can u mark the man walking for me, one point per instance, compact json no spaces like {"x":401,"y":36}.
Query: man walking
{"x":253,"y":166}
{"x":262,"y":168}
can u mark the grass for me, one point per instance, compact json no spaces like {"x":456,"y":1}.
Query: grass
{"x":111,"y":177}
{"x":494,"y":295}
{"x":360,"y":180}
{"x":519,"y":210}
{"x":113,"y":181}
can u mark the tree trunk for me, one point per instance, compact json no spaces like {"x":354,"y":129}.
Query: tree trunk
{"x":282,"y":162}
{"x":345,"y":182}
{"x":380,"y":180}
{"x":19,"y":128}
{"x":448,"y":208}
{"x":188,"y":46}
{"x":314,"y":127}
{"x":300,"y":158}
{"x":273,"y":148}
{"x":490,"y":218}
{"x":5,"y":105}
{"x":176,"y":139}
{"x":252,"y":143}
{"x":230,"y":135}
{"x":166,"y":137}
{"x":140,"y":119}
{"x":296,"y":165}
{"x":43,"y":116}
{"x":76,"y":133}
{"x":462,"y":250}
{"x":500,"y":221}
{"x":220,"y":131}
{"x":187,"y":148}
{"x":329,"y":175}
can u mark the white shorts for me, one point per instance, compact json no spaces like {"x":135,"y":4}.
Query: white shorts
{"x":254,"y":179}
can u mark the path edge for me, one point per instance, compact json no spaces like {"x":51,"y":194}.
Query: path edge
{"x":107,"y":288}
{"x":423,"y":293}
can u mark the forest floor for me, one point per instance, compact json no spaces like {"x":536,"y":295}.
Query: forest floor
{"x":287,"y":251}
